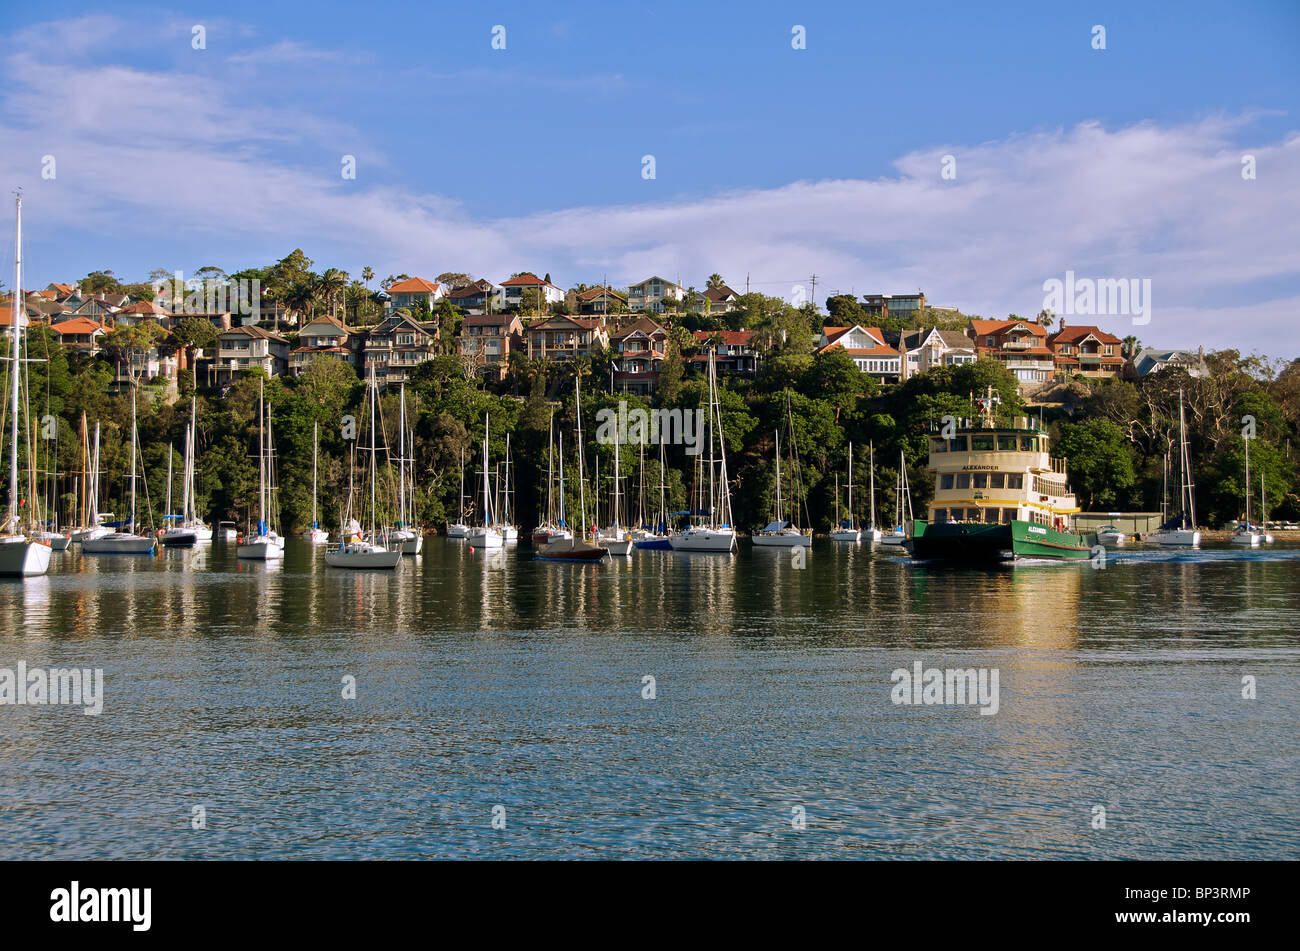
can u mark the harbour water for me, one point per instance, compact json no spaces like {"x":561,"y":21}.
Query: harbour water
{"x":496,"y":687}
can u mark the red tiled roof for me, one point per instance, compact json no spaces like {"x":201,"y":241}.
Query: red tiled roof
{"x":527,"y":279}
{"x":833,"y":335}
{"x":719,"y":293}
{"x":414,"y":285}
{"x":145,"y":307}
{"x":985,"y":328}
{"x":490,"y":320}
{"x":1075,"y":334}
{"x":599,"y":293}
{"x":77,"y":325}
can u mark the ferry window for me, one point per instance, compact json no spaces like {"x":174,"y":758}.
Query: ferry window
{"x":979,"y":481}
{"x":963,"y":481}
{"x":997,"y":480}
{"x":1026,"y":443}
{"x":991,"y":516}
{"x":1015,"y":480}
{"x":981,"y":443}
{"x":945,"y":481}
{"x":1008,"y":515}
{"x":938,"y":445}
{"x":1006,"y":444}
{"x":940,"y":515}
{"x":957,"y":444}
{"x":972,"y":515}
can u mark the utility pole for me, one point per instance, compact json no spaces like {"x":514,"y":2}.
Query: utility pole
{"x":746,"y":283}
{"x":813,"y":292}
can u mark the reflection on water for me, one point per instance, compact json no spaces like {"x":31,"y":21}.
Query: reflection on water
{"x":489,"y":678}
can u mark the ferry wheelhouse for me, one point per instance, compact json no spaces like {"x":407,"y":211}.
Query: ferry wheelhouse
{"x":999,"y":495}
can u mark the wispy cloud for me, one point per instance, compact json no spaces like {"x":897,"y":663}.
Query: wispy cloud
{"x":139,"y":145}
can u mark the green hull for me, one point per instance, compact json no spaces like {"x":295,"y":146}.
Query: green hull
{"x":961,"y":541}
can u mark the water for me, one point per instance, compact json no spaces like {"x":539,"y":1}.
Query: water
{"x":497,"y":681}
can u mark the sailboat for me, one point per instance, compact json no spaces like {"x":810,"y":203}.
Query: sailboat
{"x":354,"y":551}
{"x":173,"y":536}
{"x":48,"y":521}
{"x":120,"y":542}
{"x":574,"y":548}
{"x":21,"y":553}
{"x":192,"y":520}
{"x":779,"y":533}
{"x":266,"y":545}
{"x":458,"y":528}
{"x":552,"y":529}
{"x":654,"y":536}
{"x":485,"y":534}
{"x":509,"y":531}
{"x":316,"y":535}
{"x":405,"y":536}
{"x":616,"y":538}
{"x":902,"y":506}
{"x":846,"y":530}
{"x":90,"y":507}
{"x":187,"y":528}
{"x":717,"y":534}
{"x":1245,"y":533}
{"x":1180,"y":531}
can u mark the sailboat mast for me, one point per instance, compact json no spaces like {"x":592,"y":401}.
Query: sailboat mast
{"x":561,"y":480}
{"x":780,"y":510}
{"x":15,"y":330}
{"x":872,"y":447}
{"x":487,"y":501}
{"x":582,"y":497}
{"x":133,"y":528}
{"x":374,"y":459}
{"x":852,"y":522}
{"x":401,"y":459}
{"x":261,"y":463}
{"x":1247,"y":442}
{"x":315,"y":453}
{"x":616,"y":513}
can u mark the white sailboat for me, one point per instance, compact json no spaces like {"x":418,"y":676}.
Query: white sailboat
{"x":847,"y":530}
{"x":616,"y":538}
{"x":94,"y":524}
{"x":174,"y":536}
{"x":509,"y":531}
{"x":315,"y":535}
{"x":354,"y":551}
{"x":552,"y":529}
{"x":405,"y":536}
{"x":120,"y":542}
{"x":458,"y":528}
{"x":1180,"y":531}
{"x":717,"y":534}
{"x":1245,"y":533}
{"x":266,"y":544}
{"x":48,"y":526}
{"x":779,"y":533}
{"x":902,"y":506}
{"x":485,"y":535}
{"x":21,"y":553}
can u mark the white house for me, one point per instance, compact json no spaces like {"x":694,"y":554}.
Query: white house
{"x":867,"y":347}
{"x":651,"y":293}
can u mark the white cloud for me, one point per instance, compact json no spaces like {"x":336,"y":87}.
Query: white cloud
{"x":139,"y":145}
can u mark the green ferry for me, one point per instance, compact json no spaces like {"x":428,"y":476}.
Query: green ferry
{"x":999,"y":495}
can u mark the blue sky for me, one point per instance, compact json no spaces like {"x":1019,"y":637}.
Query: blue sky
{"x":769,"y":161}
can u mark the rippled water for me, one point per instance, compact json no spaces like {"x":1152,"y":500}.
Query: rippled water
{"x":500,"y":681}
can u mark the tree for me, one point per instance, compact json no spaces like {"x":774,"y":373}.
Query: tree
{"x":100,"y":282}
{"x":128,"y":345}
{"x":332,"y":284}
{"x":454,"y":279}
{"x":367,"y":275}
{"x":1100,"y":465}
{"x":669,"y":385}
{"x":193,"y":334}
{"x":716,"y":281}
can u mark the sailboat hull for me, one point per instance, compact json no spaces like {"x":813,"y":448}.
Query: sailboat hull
{"x":485,"y":538}
{"x":1174,"y":538}
{"x":781,"y":540}
{"x":261,"y":548}
{"x":846,"y":535}
{"x":571,"y":549}
{"x":721,"y":540}
{"x":620,"y":544}
{"x":179,"y":538}
{"x":361,"y":555}
{"x":1247,"y":539}
{"x":119,"y":543}
{"x":56,"y":541}
{"x":20,"y":558}
{"x":457,"y":531}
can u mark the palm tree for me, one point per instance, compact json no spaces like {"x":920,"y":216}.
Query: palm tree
{"x":715,"y":280}
{"x":332,"y":282}
{"x":1130,"y":347}
{"x":367,"y":275}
